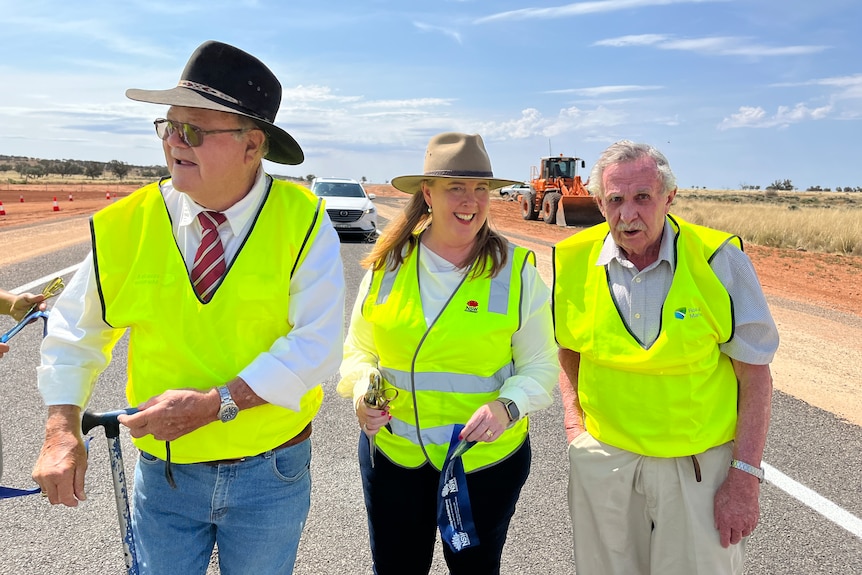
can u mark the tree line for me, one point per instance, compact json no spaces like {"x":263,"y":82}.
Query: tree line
{"x":34,"y":169}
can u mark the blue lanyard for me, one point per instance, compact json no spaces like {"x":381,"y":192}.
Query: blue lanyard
{"x":454,"y":513}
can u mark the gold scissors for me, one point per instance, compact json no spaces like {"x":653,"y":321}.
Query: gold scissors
{"x":53,"y":287}
{"x":377,"y":397}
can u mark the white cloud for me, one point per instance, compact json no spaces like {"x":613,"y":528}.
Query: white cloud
{"x":445,"y":31}
{"x":412,"y":103}
{"x":596,"y":91}
{"x":715,"y":45}
{"x":533,"y":123}
{"x":582,"y":9}
{"x":757,"y":117}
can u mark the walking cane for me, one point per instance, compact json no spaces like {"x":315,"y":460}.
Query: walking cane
{"x":108,"y":420}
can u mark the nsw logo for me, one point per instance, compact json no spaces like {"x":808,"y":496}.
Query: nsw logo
{"x":472,"y":306}
{"x":684,"y":312}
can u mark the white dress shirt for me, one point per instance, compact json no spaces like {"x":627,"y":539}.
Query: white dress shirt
{"x":78,"y":345}
{"x":534,"y":350}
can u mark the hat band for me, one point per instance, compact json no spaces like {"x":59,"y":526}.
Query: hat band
{"x":459,"y":173}
{"x":219,"y":94}
{"x":208,"y":90}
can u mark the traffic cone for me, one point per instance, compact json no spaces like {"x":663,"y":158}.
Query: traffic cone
{"x":22,"y":198}
{"x":108,"y":195}
{"x":2,"y":209}
{"x":70,"y":197}
{"x":56,"y":205}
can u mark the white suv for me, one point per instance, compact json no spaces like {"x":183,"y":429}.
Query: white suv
{"x":348,"y":206}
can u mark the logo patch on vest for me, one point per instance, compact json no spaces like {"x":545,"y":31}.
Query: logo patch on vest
{"x":685,"y":312}
{"x":472,"y":306}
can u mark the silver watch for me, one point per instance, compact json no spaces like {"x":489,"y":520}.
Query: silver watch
{"x":228,"y":409}
{"x":748,"y":468}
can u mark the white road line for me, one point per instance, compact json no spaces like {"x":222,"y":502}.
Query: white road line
{"x":812,"y":499}
{"x":815,"y":501}
{"x":44,"y":280}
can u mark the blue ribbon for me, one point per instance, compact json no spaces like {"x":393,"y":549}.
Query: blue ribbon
{"x":10,"y":492}
{"x":454,"y":513}
{"x":24,"y":323}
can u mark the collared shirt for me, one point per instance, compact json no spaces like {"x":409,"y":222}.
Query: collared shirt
{"x":77,"y":347}
{"x":534,"y":351}
{"x":640,"y":295}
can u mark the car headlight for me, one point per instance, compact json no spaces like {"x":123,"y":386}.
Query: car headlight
{"x":370,"y":210}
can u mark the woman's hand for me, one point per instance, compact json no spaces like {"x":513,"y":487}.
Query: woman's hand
{"x":487,"y":423}
{"x":370,"y":419}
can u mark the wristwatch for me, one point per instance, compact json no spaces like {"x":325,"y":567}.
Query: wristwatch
{"x":228,"y":409}
{"x":511,"y":409}
{"x":748,"y":468}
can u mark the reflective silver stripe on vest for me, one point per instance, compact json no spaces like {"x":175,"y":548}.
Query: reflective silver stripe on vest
{"x":498,"y":299}
{"x":386,"y":286}
{"x":444,"y":381}
{"x":430,"y":436}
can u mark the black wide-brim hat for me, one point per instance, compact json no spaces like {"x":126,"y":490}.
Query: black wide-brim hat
{"x":221,"y":77}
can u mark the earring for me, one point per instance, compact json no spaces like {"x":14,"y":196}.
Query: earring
{"x":429,"y":209}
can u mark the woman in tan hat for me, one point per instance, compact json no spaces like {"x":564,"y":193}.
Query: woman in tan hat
{"x":454,"y":323}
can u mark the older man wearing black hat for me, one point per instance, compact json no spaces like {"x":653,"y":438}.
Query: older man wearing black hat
{"x":230,"y":284}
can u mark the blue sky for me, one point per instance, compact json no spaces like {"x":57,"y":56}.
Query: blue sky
{"x":733,"y":91}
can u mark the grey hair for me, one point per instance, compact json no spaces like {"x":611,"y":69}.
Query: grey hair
{"x":628,"y":151}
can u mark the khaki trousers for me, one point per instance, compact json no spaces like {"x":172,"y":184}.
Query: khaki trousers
{"x":637,"y":515}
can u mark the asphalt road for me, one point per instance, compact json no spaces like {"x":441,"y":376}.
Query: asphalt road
{"x":807,"y":444}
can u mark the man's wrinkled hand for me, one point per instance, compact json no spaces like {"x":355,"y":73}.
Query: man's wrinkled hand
{"x":737,"y":507}
{"x":173,"y":414}
{"x":61,"y":467}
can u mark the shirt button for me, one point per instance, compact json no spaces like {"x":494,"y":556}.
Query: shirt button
{"x":637,"y":316}
{"x":637,"y":280}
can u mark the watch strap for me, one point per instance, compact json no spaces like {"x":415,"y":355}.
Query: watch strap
{"x":748,"y":468}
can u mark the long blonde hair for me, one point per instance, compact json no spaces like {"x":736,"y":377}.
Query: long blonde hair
{"x":404,"y":231}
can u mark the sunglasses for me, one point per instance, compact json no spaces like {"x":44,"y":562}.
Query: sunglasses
{"x":191,"y":135}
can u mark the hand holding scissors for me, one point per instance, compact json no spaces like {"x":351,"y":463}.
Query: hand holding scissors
{"x":377,"y":397}
{"x":53,"y":287}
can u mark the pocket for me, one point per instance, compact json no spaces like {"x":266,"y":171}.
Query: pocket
{"x":148,"y":459}
{"x":292,"y":464}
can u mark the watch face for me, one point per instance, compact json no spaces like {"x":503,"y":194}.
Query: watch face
{"x":514,"y":413}
{"x":228,"y":412}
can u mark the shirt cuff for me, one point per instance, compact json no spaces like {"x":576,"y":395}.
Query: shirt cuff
{"x":274,"y":383}
{"x":65,"y":385}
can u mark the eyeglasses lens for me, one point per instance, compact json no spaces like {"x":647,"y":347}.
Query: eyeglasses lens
{"x":189,"y":134}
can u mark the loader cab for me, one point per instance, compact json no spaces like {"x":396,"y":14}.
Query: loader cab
{"x":562,"y":167}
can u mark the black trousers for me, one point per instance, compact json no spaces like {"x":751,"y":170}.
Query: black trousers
{"x":402,"y":513}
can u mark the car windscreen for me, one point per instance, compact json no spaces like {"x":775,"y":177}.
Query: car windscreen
{"x":341,"y":190}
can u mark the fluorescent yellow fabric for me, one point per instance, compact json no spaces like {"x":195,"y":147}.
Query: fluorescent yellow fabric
{"x":675,"y":398}
{"x":175,"y":341}
{"x":450,"y":369}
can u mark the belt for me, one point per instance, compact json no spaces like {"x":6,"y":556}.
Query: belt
{"x":298,"y":438}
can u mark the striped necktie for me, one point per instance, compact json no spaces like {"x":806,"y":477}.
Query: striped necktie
{"x":209,"y":265}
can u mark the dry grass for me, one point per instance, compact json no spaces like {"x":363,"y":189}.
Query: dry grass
{"x":821,"y":222}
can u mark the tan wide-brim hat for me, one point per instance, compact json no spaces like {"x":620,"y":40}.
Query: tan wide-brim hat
{"x":221,"y":77}
{"x":454,"y":156}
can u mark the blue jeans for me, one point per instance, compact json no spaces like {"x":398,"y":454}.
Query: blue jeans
{"x":402,"y":513}
{"x":253,"y":510}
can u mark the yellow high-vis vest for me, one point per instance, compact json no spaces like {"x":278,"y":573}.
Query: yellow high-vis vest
{"x":676,"y":397}
{"x":176,"y":341}
{"x":445,"y":372}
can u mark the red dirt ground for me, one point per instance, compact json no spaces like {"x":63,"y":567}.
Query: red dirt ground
{"x":829,"y":280}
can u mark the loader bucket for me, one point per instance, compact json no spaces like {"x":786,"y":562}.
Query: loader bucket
{"x":578,"y":211}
